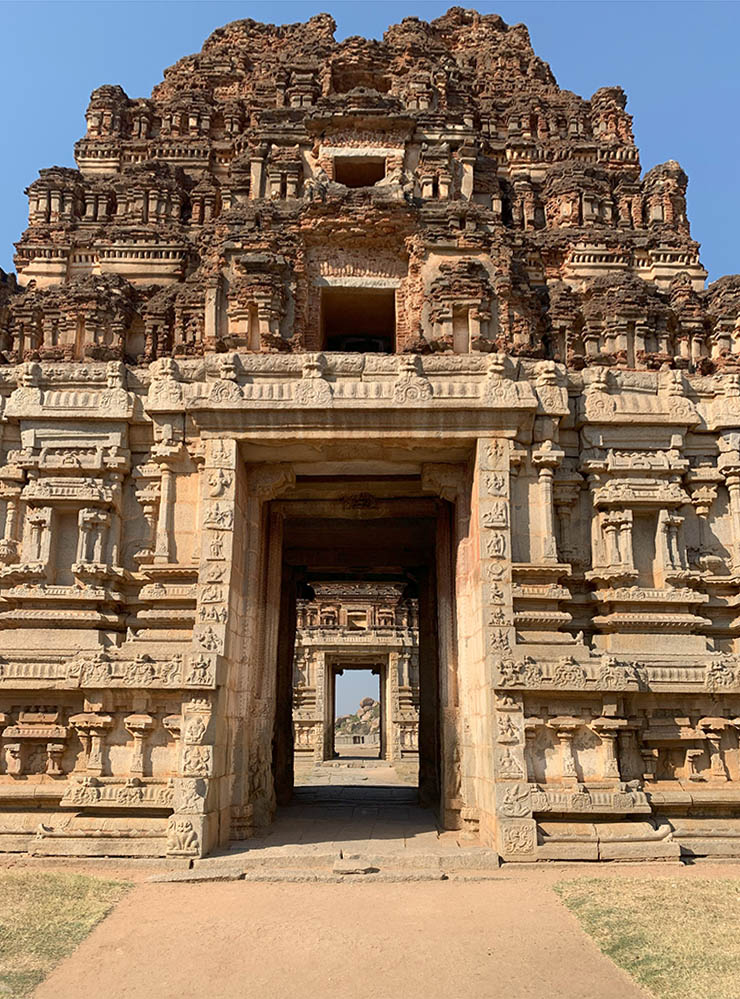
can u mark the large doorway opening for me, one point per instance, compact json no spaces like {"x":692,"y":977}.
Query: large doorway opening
{"x":359,"y":596}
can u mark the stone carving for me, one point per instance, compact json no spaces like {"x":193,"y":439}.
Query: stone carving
{"x":524,"y":673}
{"x":568,"y":673}
{"x":515,"y":803}
{"x":313,"y":390}
{"x":202,"y":671}
{"x":219,"y":482}
{"x":197,"y":761}
{"x":722,"y":674}
{"x":195,"y":729}
{"x":518,"y":838}
{"x":411,"y":386}
{"x":182,"y":839}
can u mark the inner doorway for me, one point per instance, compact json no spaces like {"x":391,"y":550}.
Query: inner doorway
{"x":359,"y":591}
{"x":357,"y":721}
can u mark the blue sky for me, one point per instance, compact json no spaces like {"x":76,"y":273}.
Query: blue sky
{"x":677,"y":62}
{"x":352,"y":686}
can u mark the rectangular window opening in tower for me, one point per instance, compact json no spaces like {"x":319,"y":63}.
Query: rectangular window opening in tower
{"x":359,"y":320}
{"x":359,"y":171}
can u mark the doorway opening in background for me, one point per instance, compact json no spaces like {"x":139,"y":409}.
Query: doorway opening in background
{"x":358,"y":714}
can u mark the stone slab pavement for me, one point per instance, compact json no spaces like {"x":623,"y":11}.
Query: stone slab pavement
{"x":508,"y":937}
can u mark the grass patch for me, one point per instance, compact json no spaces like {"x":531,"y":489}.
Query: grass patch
{"x":680,"y":939}
{"x":43,"y":918}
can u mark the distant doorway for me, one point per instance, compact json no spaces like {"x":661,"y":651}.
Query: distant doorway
{"x":358,"y":722}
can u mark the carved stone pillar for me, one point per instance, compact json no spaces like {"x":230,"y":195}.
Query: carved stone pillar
{"x":54,"y":754}
{"x":565,"y":498}
{"x":608,"y":730}
{"x":91,"y":728}
{"x":92,"y":525}
{"x":139,"y":725}
{"x":148,"y":497}
{"x":15,"y":759}
{"x":256,"y":174}
{"x":546,"y":459}
{"x":731,"y":472}
{"x":669,"y":549}
{"x":467,"y":158}
{"x":37,"y":535}
{"x":693,"y":756}
{"x":9,"y":544}
{"x":166,"y":454}
{"x":616,"y":526}
{"x":565,"y":730}
{"x":713,"y":729}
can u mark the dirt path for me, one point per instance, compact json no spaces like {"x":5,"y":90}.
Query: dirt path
{"x":446,"y":940}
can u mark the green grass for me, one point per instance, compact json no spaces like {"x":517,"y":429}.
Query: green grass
{"x":43,"y":918}
{"x":678,"y":938}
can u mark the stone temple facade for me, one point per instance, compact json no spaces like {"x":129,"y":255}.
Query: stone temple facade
{"x":356,"y":625}
{"x":398,"y":310}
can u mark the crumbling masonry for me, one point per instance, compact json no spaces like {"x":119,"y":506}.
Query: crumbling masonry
{"x":405,"y":308}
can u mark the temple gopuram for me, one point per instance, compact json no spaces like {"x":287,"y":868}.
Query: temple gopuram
{"x":401,"y":313}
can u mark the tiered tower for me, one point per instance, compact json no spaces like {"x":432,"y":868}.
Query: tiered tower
{"x":371,"y":283}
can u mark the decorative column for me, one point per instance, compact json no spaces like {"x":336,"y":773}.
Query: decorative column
{"x":165,"y":454}
{"x":546,"y":459}
{"x":148,"y":498}
{"x":467,"y":156}
{"x":92,"y":524}
{"x":54,"y":754}
{"x":37,"y":536}
{"x":729,"y":465}
{"x":565,"y":729}
{"x":565,"y":498}
{"x":197,"y":456}
{"x":503,"y":714}
{"x":10,"y":491}
{"x":713,"y":729}
{"x":322,"y":743}
{"x":91,"y":728}
{"x":139,"y":725}
{"x":703,"y":494}
{"x":616,"y":526}
{"x":608,"y":730}
{"x":256,"y":172}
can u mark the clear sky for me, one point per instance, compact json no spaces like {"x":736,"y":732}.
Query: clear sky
{"x":352,"y":686}
{"x":678,"y":63}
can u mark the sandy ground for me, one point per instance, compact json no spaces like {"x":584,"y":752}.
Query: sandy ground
{"x":508,"y":937}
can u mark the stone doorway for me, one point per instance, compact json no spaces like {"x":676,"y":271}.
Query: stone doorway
{"x":399,"y":525}
{"x":389,"y":550}
{"x":369,"y":742}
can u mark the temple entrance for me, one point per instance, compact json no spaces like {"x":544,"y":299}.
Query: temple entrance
{"x":359,"y":595}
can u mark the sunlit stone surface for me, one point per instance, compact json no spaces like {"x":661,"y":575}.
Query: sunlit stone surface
{"x":399,"y":311}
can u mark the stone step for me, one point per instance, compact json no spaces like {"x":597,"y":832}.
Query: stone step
{"x":320,"y":876}
{"x":331,"y":877}
{"x":288,"y":864}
